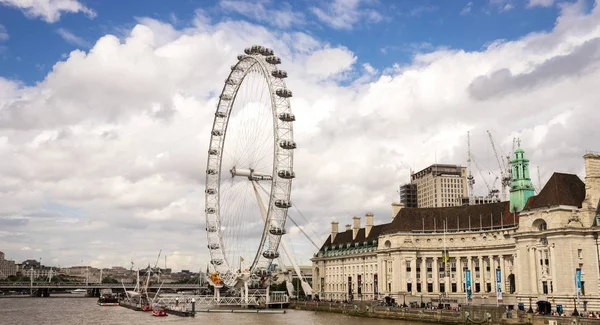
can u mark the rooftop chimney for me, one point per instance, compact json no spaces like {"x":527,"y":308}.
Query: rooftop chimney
{"x":396,"y":207}
{"x":368,"y":223}
{"x":355,"y":226}
{"x":348,"y":227}
{"x":592,"y":180}
{"x":334,"y":230}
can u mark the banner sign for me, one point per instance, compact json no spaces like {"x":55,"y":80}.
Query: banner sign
{"x":498,"y":285}
{"x":322,"y":285}
{"x":468,"y":283}
{"x":375,"y":285}
{"x":359,"y":282}
{"x":578,"y":282}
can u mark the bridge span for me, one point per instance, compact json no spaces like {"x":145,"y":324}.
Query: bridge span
{"x":80,"y":285}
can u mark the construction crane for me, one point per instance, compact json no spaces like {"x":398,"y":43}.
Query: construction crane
{"x":470,"y":178}
{"x":505,"y":169}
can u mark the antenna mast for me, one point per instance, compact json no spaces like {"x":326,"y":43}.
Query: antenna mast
{"x":470,"y":178}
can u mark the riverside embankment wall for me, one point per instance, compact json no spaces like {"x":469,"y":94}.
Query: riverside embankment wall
{"x":467,"y":315}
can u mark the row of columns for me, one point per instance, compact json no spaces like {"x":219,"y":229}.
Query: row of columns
{"x":401,"y":283}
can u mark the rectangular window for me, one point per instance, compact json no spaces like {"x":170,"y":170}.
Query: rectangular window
{"x":418,"y":287}
{"x":429,"y":287}
{"x":488,"y":287}
{"x":477,"y":287}
{"x":583,"y":288}
{"x":442,"y":287}
{"x":545,"y":287}
{"x":453,"y":287}
{"x":409,"y":287}
{"x":579,"y":253}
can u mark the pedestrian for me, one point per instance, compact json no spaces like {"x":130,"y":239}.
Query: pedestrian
{"x":177,"y":301}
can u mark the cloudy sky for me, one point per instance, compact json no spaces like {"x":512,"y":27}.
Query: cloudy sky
{"x":106,"y":110}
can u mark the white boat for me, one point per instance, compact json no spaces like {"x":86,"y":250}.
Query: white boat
{"x":79,"y":291}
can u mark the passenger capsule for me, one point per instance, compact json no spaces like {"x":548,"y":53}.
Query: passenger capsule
{"x":287,"y":144}
{"x":270,"y":254}
{"x":216,"y":261}
{"x":231,"y":82}
{"x":217,"y":133}
{"x":210,"y":191}
{"x":283,"y":204}
{"x":279,"y":74}
{"x":262,"y":272}
{"x":213,"y":152}
{"x":210,"y":210}
{"x":225,"y":97}
{"x":266,"y":51}
{"x":220,"y":114}
{"x":287,"y":117}
{"x":273,"y":59}
{"x":213,"y":246}
{"x":277,"y":231}
{"x":282,"y":92}
{"x":212,"y":172}
{"x":211,"y":228}
{"x":286,"y":174}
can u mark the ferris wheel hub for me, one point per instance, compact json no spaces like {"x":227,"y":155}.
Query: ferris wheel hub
{"x":251,"y":174}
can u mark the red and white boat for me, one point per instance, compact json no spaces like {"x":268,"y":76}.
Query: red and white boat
{"x":159,"y":312}
{"x":147,"y":307}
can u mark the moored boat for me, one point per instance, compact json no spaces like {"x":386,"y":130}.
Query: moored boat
{"x":160,"y":312}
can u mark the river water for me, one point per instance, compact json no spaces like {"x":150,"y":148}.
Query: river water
{"x":67,"y":310}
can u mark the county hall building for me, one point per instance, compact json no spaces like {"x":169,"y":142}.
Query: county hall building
{"x":541,"y":247}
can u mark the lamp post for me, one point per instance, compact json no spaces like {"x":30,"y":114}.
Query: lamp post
{"x":575,"y":312}
{"x":530,"y":310}
{"x":404,"y":303}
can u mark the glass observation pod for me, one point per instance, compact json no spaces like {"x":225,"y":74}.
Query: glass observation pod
{"x":235,"y":67}
{"x":212,"y":171}
{"x":277,"y":231}
{"x":213,"y":152}
{"x":217,"y":133}
{"x":221,"y":114}
{"x":287,"y":144}
{"x":283,"y":204}
{"x":211,"y":228}
{"x":232,"y":82}
{"x":225,"y":97}
{"x":210,"y":210}
{"x":214,"y":246}
{"x":266,"y":51}
{"x":241,"y":57}
{"x":273,"y":59}
{"x":287,"y":117}
{"x":261,"y":272}
{"x":270,"y":254}
{"x":216,"y":262}
{"x":279,"y":74}
{"x":210,"y":191}
{"x":285,"y":93}
{"x":286,"y":174}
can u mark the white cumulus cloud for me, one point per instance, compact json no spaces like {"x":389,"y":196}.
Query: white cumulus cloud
{"x":49,"y":10}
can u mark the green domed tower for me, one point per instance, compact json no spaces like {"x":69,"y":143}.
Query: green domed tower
{"x":521,"y":188}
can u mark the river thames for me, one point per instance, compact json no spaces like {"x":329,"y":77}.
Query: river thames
{"x":59,"y":310}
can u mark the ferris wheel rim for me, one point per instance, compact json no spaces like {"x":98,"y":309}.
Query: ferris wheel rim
{"x":282,"y":168}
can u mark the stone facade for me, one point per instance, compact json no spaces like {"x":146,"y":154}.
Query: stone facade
{"x":7,"y":267}
{"x":424,"y":254}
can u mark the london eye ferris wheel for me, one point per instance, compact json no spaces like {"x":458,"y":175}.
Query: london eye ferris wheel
{"x":249,"y":170}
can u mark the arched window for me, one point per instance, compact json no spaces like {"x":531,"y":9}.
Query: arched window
{"x":540,"y":225}
{"x":387,"y":244}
